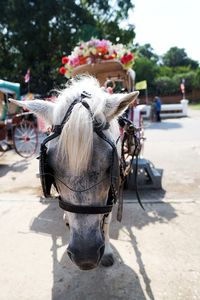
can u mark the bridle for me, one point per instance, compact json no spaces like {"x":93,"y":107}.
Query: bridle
{"x":117,"y":172}
{"x":47,"y":175}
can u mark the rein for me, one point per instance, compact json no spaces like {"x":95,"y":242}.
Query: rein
{"x":130,"y":133}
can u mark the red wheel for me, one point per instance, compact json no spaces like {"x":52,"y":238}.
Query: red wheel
{"x":25,"y":138}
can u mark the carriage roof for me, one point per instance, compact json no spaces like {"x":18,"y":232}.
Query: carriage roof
{"x":7,"y":87}
{"x":108,"y":70}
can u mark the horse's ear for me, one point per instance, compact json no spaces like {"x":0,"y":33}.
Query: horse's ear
{"x":117,"y":103}
{"x":40,"y":107}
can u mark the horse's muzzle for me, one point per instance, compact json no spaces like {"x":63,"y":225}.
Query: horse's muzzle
{"x":86,"y":258}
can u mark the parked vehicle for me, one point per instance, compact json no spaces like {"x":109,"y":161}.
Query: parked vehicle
{"x":18,"y":128}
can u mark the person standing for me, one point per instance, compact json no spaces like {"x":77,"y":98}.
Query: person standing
{"x":153,"y":111}
{"x":158,"y":108}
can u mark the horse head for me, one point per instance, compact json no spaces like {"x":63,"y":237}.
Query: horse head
{"x":81,"y":158}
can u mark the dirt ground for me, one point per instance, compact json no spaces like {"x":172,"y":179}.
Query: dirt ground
{"x":157,"y":251}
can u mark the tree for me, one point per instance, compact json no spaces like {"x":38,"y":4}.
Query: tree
{"x":165,"y":86}
{"x":146,"y":70}
{"x":147,"y":51}
{"x":176,"y":57}
{"x":189,"y":78}
{"x":36,"y":33}
{"x":197,"y":79}
{"x":165,"y":71}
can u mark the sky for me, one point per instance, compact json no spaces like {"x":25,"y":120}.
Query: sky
{"x":168,"y":23}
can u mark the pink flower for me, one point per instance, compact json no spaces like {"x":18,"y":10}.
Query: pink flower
{"x":103,"y":43}
{"x":74,"y":61}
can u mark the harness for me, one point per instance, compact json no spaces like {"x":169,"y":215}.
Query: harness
{"x":118,"y":171}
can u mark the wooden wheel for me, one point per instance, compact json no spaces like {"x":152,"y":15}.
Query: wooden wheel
{"x":25,"y":138}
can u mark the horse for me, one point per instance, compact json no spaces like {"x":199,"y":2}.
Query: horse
{"x":82,"y":160}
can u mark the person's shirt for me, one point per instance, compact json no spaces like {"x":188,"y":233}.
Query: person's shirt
{"x":158,"y":105}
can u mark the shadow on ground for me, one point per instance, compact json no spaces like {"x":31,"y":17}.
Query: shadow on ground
{"x":116,"y":282}
{"x":153,"y":212}
{"x":18,"y":166}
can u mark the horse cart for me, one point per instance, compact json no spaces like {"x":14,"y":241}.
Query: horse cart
{"x":18,"y":128}
{"x":115,"y":79}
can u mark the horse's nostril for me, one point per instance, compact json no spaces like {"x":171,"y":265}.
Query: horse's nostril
{"x":101,"y":252}
{"x":87,"y":266}
{"x":87,"y":259}
{"x":70,"y":255}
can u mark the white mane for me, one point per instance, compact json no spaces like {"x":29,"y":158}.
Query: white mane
{"x":76,"y":140}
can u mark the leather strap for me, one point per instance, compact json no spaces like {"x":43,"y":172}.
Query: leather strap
{"x":81,"y":209}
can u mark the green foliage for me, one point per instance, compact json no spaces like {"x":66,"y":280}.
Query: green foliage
{"x":107,"y":17}
{"x":165,"y":71}
{"x":165,"y":86}
{"x":146,"y":70}
{"x":189,"y":79}
{"x":196,"y":82}
{"x":165,"y":79}
{"x":181,"y":70}
{"x":170,"y":72}
{"x":36,"y":34}
{"x":174,"y":78}
{"x":195,"y":106}
{"x":176,"y":57}
{"x":146,"y":51}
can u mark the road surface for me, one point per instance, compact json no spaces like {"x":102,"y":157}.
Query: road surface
{"x":157,"y":251}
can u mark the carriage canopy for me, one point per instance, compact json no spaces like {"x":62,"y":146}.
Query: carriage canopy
{"x":7,"y":87}
{"x":104,"y":60}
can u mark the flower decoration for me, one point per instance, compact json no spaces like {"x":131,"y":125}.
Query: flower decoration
{"x":95,"y":51}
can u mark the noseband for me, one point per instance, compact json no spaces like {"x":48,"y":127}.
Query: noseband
{"x":48,"y":178}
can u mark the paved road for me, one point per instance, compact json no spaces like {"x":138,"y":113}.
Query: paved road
{"x":157,"y":251}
